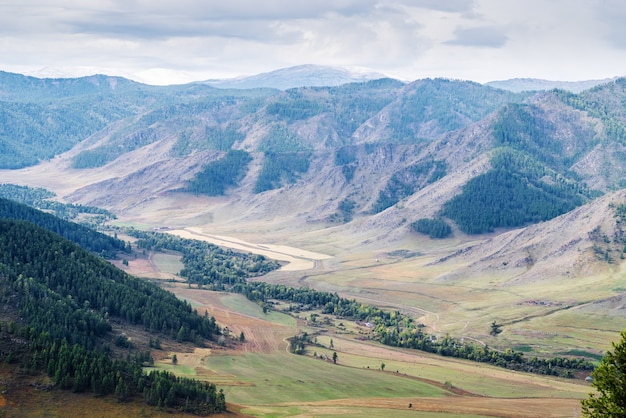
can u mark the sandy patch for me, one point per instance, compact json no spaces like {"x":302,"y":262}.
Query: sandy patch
{"x":297,"y":259}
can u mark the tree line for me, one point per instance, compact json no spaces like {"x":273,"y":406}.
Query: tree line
{"x":79,"y":369}
{"x":503,"y":198}
{"x":40,"y":198}
{"x":280,"y":168}
{"x":434,"y":228}
{"x":50,"y":267}
{"x":388,"y":327}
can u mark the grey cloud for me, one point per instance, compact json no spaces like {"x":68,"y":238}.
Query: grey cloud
{"x":457,"y":6}
{"x":245,"y":9}
{"x":612,"y":14}
{"x":160,"y":19}
{"x":165,"y":18}
{"x":487,"y":37}
{"x":155,"y":27}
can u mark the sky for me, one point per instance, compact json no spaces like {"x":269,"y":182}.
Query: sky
{"x":174,"y":42}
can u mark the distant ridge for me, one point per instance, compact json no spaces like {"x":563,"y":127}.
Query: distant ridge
{"x":518,"y":85}
{"x":298,"y":76}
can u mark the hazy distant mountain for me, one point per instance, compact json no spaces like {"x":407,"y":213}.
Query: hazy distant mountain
{"x":299,"y":76}
{"x":518,"y":85}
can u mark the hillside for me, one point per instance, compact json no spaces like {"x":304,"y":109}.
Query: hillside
{"x":568,"y":246}
{"x":62,"y":313}
{"x":347,"y":170}
{"x":87,"y":238}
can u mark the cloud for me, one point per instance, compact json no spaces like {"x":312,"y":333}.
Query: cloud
{"x":404,"y":38}
{"x":483,"y":37}
{"x":456,"y":6}
{"x":612,"y":14}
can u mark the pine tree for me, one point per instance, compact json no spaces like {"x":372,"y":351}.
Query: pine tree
{"x":609,"y":379}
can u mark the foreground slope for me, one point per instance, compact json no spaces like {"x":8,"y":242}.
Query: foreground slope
{"x":60,"y":305}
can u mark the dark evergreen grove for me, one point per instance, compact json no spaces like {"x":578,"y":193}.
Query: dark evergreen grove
{"x":217,"y":176}
{"x":206,"y":263}
{"x":65,"y":298}
{"x":502,"y":198}
{"x":279,"y":169}
{"x":518,"y":190}
{"x":87,"y":238}
{"x":61,"y":266}
{"x":434,"y":228}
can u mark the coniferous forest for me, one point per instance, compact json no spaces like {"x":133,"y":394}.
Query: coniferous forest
{"x":87,"y":238}
{"x":64,"y":299}
{"x":217,"y":176}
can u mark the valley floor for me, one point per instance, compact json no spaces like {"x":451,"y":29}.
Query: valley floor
{"x":368,"y":379}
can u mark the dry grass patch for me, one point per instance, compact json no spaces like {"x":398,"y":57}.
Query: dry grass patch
{"x":476,"y":378}
{"x":263,"y":333}
{"x":457,"y":407}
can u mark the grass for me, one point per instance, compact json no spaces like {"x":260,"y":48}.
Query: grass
{"x":239,"y":303}
{"x":283,"y":384}
{"x":331,"y":411}
{"x":583,"y":353}
{"x":477,"y":378}
{"x":278,"y":378}
{"x":464,"y":306}
{"x":523,"y":348}
{"x":168,"y":263}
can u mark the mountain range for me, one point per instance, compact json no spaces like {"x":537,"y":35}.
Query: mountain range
{"x":484,"y":222}
{"x":298,"y":76}
{"x":529,"y":183}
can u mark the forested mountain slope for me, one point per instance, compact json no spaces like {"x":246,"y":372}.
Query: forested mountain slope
{"x":58,"y":303}
{"x":87,"y":238}
{"x":587,"y":241}
{"x":41,"y":118}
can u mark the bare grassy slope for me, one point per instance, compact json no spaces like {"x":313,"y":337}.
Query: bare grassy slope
{"x":572,"y":245}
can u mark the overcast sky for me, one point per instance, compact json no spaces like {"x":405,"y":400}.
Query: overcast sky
{"x":177,"y":41}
